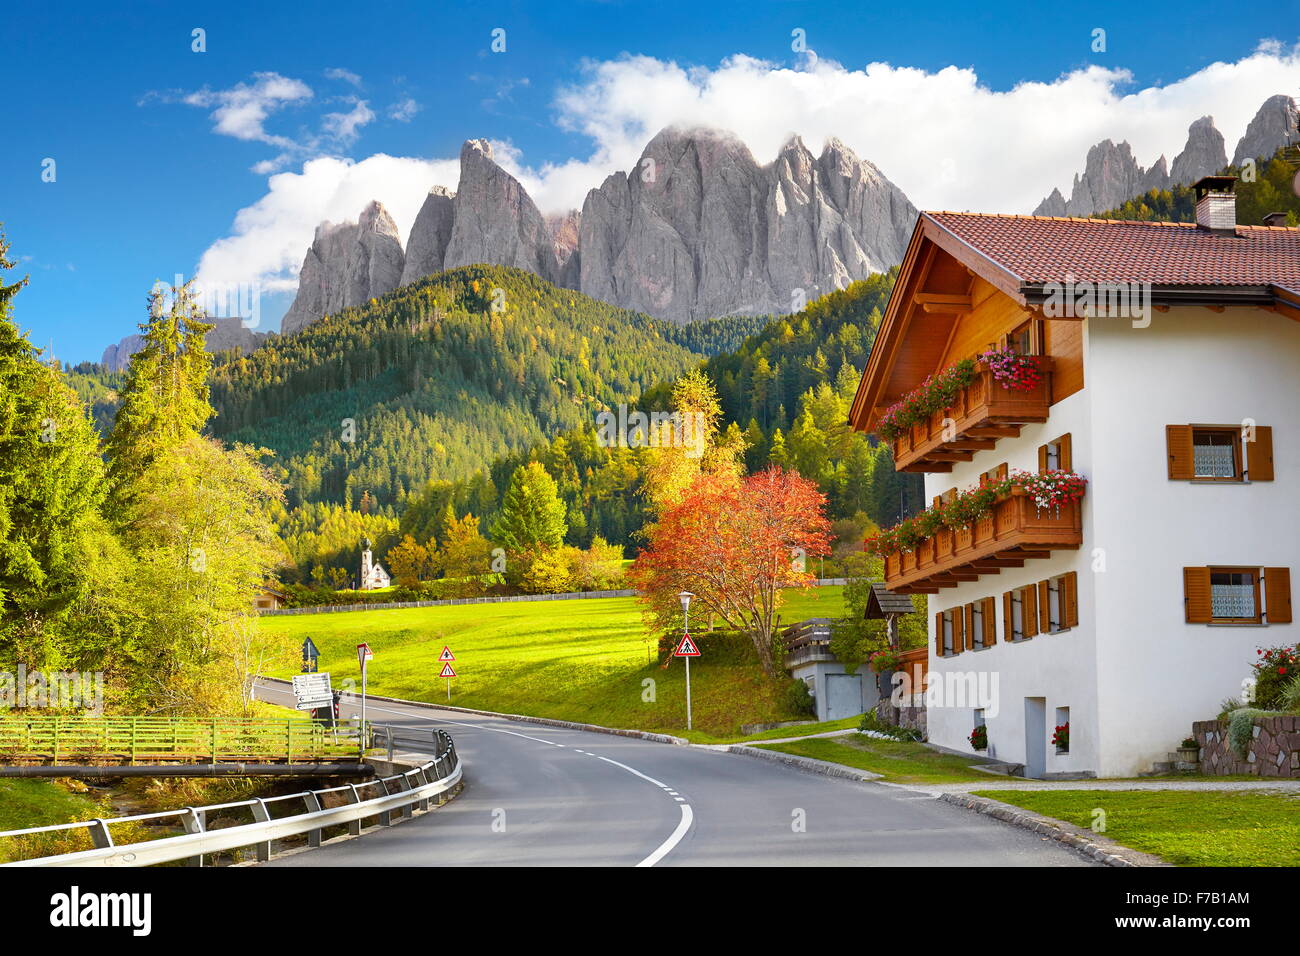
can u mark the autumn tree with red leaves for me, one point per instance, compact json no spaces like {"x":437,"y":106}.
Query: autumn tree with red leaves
{"x":734,"y":543}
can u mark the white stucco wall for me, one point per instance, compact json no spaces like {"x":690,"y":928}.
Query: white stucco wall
{"x":1133,"y":674}
{"x":1157,"y":673}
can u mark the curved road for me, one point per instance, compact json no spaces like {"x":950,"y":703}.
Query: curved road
{"x":545,"y":796}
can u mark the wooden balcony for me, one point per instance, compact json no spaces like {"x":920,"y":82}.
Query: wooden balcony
{"x":1014,"y":533}
{"x":983,"y":412}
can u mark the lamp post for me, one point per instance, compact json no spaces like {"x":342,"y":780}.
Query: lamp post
{"x":685,"y":597}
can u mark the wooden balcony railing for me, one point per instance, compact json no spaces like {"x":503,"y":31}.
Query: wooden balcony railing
{"x":983,"y":412}
{"x":1015,"y":532}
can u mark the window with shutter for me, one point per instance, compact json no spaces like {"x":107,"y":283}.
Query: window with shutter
{"x":1178,"y":442}
{"x":1029,"y":612}
{"x":1044,"y":608}
{"x":1259,"y":454}
{"x":968,"y":631}
{"x":1277,"y":595}
{"x":990,"y":622}
{"x":1010,"y":608}
{"x":1070,"y":599}
{"x":1196,"y":595}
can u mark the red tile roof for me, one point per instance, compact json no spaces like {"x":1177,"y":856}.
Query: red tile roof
{"x":1041,"y":249}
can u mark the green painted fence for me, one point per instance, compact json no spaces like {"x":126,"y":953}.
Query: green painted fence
{"x":147,"y":740}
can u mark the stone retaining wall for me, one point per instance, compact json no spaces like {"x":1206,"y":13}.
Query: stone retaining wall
{"x":1274,"y":749}
{"x":911,"y":716}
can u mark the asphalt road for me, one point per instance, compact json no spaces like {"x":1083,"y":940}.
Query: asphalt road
{"x":544,"y":796}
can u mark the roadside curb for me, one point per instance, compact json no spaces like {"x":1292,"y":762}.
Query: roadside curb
{"x":522,"y":718}
{"x":1099,"y":848}
{"x":807,"y":764}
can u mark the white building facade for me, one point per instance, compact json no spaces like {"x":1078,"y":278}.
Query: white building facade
{"x":1183,"y":420}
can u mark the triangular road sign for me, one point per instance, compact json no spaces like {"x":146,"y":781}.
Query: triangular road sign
{"x":686,"y":648}
{"x":446,"y":654}
{"x":447,"y":671}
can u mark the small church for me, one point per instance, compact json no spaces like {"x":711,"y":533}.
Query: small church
{"x":373,"y":575}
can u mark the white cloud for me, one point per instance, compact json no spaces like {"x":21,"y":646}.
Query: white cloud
{"x":404,"y":110}
{"x":269,"y":238}
{"x":947,"y":140}
{"x":343,"y":128}
{"x":347,"y":76}
{"x":242,"y":110}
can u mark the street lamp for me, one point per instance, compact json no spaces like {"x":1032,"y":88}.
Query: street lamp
{"x":685,"y":598}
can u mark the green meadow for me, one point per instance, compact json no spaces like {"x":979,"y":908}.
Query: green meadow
{"x":589,"y":660}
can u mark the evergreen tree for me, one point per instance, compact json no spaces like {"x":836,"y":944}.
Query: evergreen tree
{"x":532,"y":515}
{"x":51,"y":486}
{"x":165,"y":401}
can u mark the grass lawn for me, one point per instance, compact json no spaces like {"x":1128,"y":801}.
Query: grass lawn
{"x":1187,"y":828}
{"x":39,"y":803}
{"x":584,"y":660}
{"x":899,"y":761}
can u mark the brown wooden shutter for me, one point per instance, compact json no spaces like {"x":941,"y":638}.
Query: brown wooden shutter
{"x":1277,"y":595}
{"x":1259,"y":454}
{"x":1178,"y":441}
{"x":990,"y":622}
{"x":1029,"y":609}
{"x":1066,"y":454}
{"x":970,"y":627}
{"x":1042,"y":459}
{"x":1008,"y":618}
{"x":958,"y":629}
{"x":1196,"y":595}
{"x":938,"y":633}
{"x":1044,"y":607}
{"x":1070,"y":600}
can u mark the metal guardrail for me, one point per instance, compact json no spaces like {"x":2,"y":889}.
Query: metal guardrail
{"x":129,"y":740}
{"x":400,"y":792}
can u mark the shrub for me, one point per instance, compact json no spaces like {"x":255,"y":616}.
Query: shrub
{"x":1289,"y":699}
{"x":798,"y":700}
{"x":1275,"y":668}
{"x":1241,"y":727}
{"x":979,"y":737}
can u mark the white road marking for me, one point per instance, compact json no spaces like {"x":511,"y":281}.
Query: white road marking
{"x":684,"y":825}
{"x":667,"y":846}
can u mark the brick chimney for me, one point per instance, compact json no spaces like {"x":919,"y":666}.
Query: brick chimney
{"x":1216,"y":204}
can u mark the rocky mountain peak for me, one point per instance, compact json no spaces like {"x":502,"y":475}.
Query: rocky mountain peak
{"x":1276,"y":124}
{"x":698,"y":228}
{"x":1203,"y":155}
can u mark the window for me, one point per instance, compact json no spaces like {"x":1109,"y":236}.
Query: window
{"x":1219,"y":452}
{"x":1026,"y":338}
{"x":1234,"y":595}
{"x":1061,"y":736}
{"x":947,"y":639}
{"x":994,"y":474}
{"x":1058,"y":603}
{"x":1055,"y":455}
{"x":1214,"y":454}
{"x":1237,"y":595}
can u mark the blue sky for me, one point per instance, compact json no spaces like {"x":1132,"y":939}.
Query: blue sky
{"x":149,"y":175}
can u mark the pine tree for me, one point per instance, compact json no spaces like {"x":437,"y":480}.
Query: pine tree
{"x":51,"y":486}
{"x":165,"y":401}
{"x":532,"y":515}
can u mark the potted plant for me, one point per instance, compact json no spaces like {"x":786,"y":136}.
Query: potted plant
{"x":1062,"y":738}
{"x":979,"y":737}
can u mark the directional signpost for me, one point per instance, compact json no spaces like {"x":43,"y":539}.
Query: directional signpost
{"x":445,"y":658}
{"x":364,"y":656}
{"x":312,"y":691}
